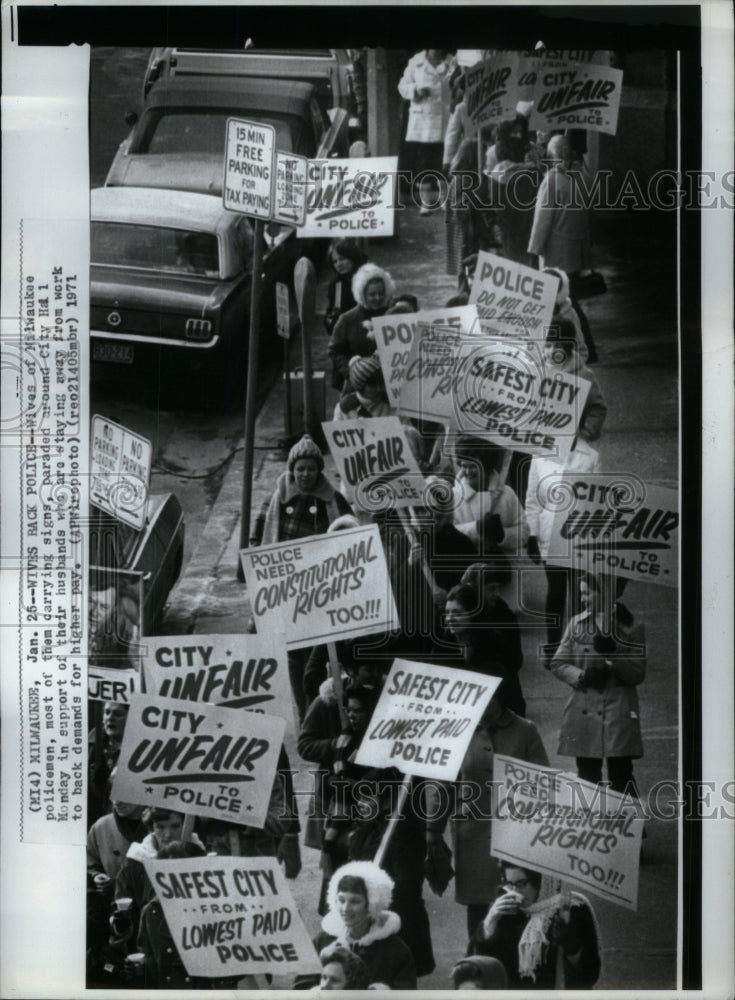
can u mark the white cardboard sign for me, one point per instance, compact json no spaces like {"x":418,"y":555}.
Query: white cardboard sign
{"x":394,"y":336}
{"x":425,"y":718}
{"x":199,"y":759}
{"x":512,"y":300}
{"x":120,"y":471}
{"x":491,"y":89}
{"x":555,"y":823}
{"x":507,"y":395}
{"x":321,"y":588}
{"x":249,"y":163}
{"x":616,"y":524}
{"x":112,"y":684}
{"x":236,"y":671}
{"x":428,"y":388}
{"x":232,"y":916}
{"x":377,"y":467}
{"x":354,"y":197}
{"x":577,"y":96}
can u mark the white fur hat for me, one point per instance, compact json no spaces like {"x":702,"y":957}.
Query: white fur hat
{"x":379,"y":885}
{"x":367,"y":273}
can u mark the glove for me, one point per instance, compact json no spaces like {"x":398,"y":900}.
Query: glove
{"x":561,"y":934}
{"x":438,"y":866}
{"x":596,"y":676}
{"x":490,"y":530}
{"x":532,"y":549}
{"x":603,"y":644}
{"x":289,"y":854}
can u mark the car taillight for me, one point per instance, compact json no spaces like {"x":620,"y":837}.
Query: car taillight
{"x":198,"y":329}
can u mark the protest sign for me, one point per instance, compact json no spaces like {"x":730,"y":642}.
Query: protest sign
{"x":506,"y":394}
{"x":203,"y":760}
{"x":577,"y":96}
{"x":394,"y":336}
{"x":375,"y":463}
{"x":249,"y":155}
{"x":111,"y":684}
{"x":615,"y":524}
{"x":532,"y":63}
{"x":512,"y":300}
{"x":321,"y":588}
{"x":431,"y":374}
{"x":120,"y":471}
{"x":354,"y":197}
{"x":236,"y":671}
{"x":232,"y":916}
{"x":555,"y":823}
{"x":425,"y":718}
{"x":491,"y":89}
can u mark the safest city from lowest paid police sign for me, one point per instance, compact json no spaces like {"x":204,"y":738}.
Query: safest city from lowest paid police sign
{"x":425,"y":718}
{"x":232,"y":916}
{"x":321,"y":588}
{"x":199,"y":759}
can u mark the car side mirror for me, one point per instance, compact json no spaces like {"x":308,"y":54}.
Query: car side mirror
{"x":131,"y":118}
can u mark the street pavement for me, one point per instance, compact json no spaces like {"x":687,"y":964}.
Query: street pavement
{"x":634,"y":325}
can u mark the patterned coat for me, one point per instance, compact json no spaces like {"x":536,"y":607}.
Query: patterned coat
{"x":290,"y":514}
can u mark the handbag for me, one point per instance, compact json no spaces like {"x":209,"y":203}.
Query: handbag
{"x":587,"y":286}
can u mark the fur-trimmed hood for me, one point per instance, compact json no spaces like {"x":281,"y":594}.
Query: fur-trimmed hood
{"x":379,"y":886}
{"x":386,"y":924}
{"x":367,"y":273}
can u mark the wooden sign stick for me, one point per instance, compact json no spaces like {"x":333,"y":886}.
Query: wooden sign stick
{"x":388,"y":832}
{"x":336,"y":672}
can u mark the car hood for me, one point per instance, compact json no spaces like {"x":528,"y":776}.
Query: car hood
{"x":201,"y":172}
{"x":120,"y":288}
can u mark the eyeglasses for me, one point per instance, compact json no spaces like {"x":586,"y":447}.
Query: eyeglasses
{"x":522,"y":883}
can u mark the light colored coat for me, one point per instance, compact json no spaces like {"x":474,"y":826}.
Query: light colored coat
{"x":470,"y":506}
{"x":561,"y":229}
{"x":543,"y":477}
{"x":603,"y":723}
{"x":427,"y":116}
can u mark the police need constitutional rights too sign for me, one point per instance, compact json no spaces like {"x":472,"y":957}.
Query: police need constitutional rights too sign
{"x":321,"y":588}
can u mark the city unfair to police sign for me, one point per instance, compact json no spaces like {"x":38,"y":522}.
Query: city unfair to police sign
{"x":120,"y":471}
{"x":249,"y":163}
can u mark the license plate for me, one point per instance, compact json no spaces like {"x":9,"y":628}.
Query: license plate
{"x":121,"y":354}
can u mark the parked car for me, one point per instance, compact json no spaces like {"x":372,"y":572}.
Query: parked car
{"x":338,"y":77}
{"x":170,"y":284}
{"x":124,"y":559}
{"x":179,"y":140}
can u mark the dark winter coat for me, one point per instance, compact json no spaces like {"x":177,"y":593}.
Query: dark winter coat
{"x":386,"y":955}
{"x":349,"y":338}
{"x":477,"y":879}
{"x":601,"y":720}
{"x":581,"y":934}
{"x":290,"y":514}
{"x":317,"y":741}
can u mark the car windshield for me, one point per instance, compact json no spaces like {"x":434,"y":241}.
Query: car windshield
{"x":203,"y":130}
{"x":155,"y":248}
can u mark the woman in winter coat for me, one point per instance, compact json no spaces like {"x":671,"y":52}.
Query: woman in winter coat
{"x":345,"y":259}
{"x":530,"y":924}
{"x":359,"y":920}
{"x":368,"y":396}
{"x":486,"y":509}
{"x":564,"y":308}
{"x":514,"y":181}
{"x":465,"y":228}
{"x":595,"y":658}
{"x":561,"y":224}
{"x":304,"y":503}
{"x":543,"y":479}
{"x":373,"y":290}
{"x":426,"y":84}
{"x":500,"y":731}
